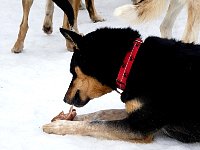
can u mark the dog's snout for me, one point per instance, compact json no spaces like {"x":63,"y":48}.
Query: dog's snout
{"x":73,"y":100}
{"x":65,"y":100}
{"x":68,"y":98}
{"x":76,"y":100}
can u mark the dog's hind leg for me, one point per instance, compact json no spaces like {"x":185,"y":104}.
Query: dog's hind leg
{"x":19,"y":44}
{"x":47,"y":25}
{"x":188,"y":132}
{"x":193,"y":22}
{"x":174,"y":9}
{"x":92,"y":11}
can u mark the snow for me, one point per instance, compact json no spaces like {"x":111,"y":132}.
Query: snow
{"x":33,"y":83}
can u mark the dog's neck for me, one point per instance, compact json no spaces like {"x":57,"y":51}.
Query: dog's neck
{"x":127,"y":65}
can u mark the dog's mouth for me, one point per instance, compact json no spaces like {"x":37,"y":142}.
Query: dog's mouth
{"x":76,"y":100}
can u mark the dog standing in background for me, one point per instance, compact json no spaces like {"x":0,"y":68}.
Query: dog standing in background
{"x":145,"y":10}
{"x":48,"y":20}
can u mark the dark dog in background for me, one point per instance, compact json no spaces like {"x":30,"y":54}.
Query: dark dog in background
{"x":48,"y":20}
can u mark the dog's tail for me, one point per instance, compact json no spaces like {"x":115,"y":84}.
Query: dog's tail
{"x":67,"y":8}
{"x":143,"y":11}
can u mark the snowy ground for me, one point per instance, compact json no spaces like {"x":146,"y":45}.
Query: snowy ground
{"x":33,"y":83}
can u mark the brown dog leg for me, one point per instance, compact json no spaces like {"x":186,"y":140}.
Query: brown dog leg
{"x":94,"y":16}
{"x":19,"y":44}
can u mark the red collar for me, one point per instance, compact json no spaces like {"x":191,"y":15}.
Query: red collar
{"x":127,"y":64}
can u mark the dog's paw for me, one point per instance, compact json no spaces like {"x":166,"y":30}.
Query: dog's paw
{"x":48,"y":29}
{"x":63,"y":127}
{"x":18,"y":47}
{"x":97,"y":18}
{"x":57,"y":127}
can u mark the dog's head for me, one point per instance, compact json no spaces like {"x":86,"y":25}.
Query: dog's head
{"x":95,"y":62}
{"x":84,"y":85}
{"x":83,"y":88}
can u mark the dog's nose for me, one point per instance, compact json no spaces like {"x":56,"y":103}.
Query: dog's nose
{"x":74,"y":100}
{"x":65,"y":100}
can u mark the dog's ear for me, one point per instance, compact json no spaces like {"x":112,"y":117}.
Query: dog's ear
{"x":72,"y":37}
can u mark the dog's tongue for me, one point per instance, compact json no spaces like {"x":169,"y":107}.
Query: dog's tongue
{"x":69,"y":116}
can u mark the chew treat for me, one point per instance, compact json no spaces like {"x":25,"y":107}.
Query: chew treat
{"x":62,"y":116}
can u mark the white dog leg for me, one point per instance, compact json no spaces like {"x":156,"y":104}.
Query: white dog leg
{"x":193,"y":22}
{"x":174,"y":9}
{"x":47,"y":25}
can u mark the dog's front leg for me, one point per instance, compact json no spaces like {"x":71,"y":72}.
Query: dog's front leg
{"x":113,"y":130}
{"x":109,"y":114}
{"x":19,"y":44}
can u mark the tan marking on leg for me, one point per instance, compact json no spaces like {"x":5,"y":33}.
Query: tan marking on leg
{"x":133,"y":105}
{"x":19,"y":44}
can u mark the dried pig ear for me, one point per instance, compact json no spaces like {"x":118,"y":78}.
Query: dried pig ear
{"x":71,"y":109}
{"x":62,"y":116}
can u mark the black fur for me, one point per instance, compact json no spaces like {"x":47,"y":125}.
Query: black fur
{"x":165,"y":78}
{"x":67,"y":8}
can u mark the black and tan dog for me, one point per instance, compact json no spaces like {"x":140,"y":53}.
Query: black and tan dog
{"x":159,"y":79}
{"x":160,"y":92}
